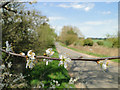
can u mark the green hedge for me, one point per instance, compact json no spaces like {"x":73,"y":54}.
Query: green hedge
{"x":88,"y":42}
{"x":100,"y":42}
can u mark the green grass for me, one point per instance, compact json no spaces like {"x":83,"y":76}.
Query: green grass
{"x":48,"y":73}
{"x":106,"y":43}
{"x":96,"y":40}
{"x":90,"y":53}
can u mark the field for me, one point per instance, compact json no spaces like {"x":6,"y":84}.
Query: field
{"x":99,"y":51}
{"x":106,"y":43}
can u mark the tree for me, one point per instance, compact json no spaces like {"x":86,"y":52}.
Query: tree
{"x":68,"y":35}
{"x":21,"y":28}
{"x":27,"y":30}
{"x":45,"y":37}
{"x":88,"y":42}
{"x":114,"y":39}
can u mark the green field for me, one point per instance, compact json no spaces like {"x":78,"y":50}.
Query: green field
{"x":106,"y":43}
{"x":46,"y":74}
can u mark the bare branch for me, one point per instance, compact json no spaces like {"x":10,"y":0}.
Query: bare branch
{"x":10,"y":10}
{"x":79,"y":59}
{"x":4,"y":4}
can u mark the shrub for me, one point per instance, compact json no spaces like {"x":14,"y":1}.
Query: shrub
{"x":88,"y":42}
{"x":70,"y":39}
{"x":115,"y":43}
{"x":79,"y":43}
{"x":100,"y":42}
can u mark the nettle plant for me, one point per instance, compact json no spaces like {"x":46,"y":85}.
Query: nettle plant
{"x":11,"y":80}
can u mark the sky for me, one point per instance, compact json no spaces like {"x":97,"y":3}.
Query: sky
{"x":94,"y":19}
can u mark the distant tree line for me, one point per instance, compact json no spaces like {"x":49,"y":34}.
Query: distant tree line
{"x":72,"y":35}
{"x":97,"y":38}
{"x":69,"y":35}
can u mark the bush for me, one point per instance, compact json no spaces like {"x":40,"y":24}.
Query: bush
{"x":100,"y":42}
{"x":88,"y":42}
{"x":70,"y":39}
{"x":115,"y":43}
{"x":79,"y":43}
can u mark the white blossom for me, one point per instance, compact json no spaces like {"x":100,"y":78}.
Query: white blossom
{"x":47,"y":62}
{"x":58,"y":84}
{"x":104,"y":65}
{"x":49,"y":52}
{"x":10,"y":75}
{"x":54,"y":84}
{"x":64,"y":60}
{"x":2,"y":66}
{"x":7,"y":44}
{"x":60,"y":63}
{"x":44,"y":60}
{"x":56,"y":81}
{"x":72,"y":81}
{"x":53,"y":80}
{"x":5,"y":73}
{"x":9,"y":19}
{"x":9,"y":64}
{"x":31,"y":54}
{"x":30,"y":60}
{"x":30,"y":64}
{"x":8,"y":47}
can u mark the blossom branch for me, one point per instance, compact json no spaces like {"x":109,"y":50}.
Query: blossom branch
{"x":78,"y":59}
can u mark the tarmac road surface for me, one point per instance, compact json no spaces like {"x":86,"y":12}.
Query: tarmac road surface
{"x":90,"y":74}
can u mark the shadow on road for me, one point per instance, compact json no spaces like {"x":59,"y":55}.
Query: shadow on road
{"x":90,"y":74}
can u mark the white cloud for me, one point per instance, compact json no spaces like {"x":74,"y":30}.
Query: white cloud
{"x":55,"y":18}
{"x":44,"y":4}
{"x":98,"y":28}
{"x":108,"y":2}
{"x":93,"y":22}
{"x":84,"y":6}
{"x":106,"y":12}
{"x":71,"y":5}
{"x":51,"y":4}
{"x":98,"y":22}
{"x":90,"y":6}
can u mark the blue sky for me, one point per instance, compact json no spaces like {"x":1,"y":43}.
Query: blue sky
{"x":94,"y":19}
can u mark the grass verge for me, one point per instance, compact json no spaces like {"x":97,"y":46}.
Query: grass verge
{"x":47,"y":73}
{"x":89,"y":53}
